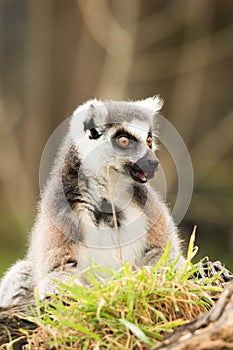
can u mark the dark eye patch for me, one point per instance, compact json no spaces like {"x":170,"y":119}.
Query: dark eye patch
{"x":124,"y":133}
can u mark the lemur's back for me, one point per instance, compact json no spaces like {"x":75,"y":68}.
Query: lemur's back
{"x":97,"y":206}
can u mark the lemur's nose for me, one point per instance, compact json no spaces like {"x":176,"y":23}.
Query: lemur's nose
{"x":153,"y":163}
{"x":149,"y":163}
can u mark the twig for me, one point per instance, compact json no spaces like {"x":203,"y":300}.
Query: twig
{"x":114,"y":213}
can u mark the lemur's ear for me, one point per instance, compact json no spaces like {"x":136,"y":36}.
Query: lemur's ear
{"x":154,"y":104}
{"x":88,"y":117}
{"x":94,"y":120}
{"x":90,"y":125}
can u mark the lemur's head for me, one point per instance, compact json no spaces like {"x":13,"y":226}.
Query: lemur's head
{"x":120,"y":135}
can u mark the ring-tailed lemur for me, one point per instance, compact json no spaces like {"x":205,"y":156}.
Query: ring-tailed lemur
{"x":100,"y":173}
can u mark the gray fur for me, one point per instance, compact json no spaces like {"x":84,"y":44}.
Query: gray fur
{"x":74,"y":226}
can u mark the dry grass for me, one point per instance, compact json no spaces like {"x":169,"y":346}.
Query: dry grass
{"x":131,"y":309}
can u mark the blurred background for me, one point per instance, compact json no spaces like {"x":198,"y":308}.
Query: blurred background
{"x":56,"y":54}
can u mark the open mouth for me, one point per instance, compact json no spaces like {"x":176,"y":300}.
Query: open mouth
{"x":137,"y":173}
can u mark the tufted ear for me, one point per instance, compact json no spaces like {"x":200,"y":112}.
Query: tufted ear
{"x":154,"y":104}
{"x":88,"y":117}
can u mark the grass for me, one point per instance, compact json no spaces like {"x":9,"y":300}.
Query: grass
{"x":130,"y":309}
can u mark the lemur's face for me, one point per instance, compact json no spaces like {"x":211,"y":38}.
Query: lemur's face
{"x":118,"y":137}
{"x":130,"y":151}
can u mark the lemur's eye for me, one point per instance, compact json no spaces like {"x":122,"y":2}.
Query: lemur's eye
{"x":123,"y":141}
{"x":149,"y":141}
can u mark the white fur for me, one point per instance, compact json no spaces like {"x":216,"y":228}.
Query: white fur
{"x":15,"y":283}
{"x":103,"y":248}
{"x":85,"y":106}
{"x":154,"y":104}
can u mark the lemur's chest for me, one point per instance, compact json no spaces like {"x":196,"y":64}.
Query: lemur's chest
{"x":105,"y":243}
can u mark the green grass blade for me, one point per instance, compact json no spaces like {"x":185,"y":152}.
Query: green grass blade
{"x":137,"y":331}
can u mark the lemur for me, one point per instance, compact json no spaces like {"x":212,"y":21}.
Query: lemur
{"x":101,"y":169}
